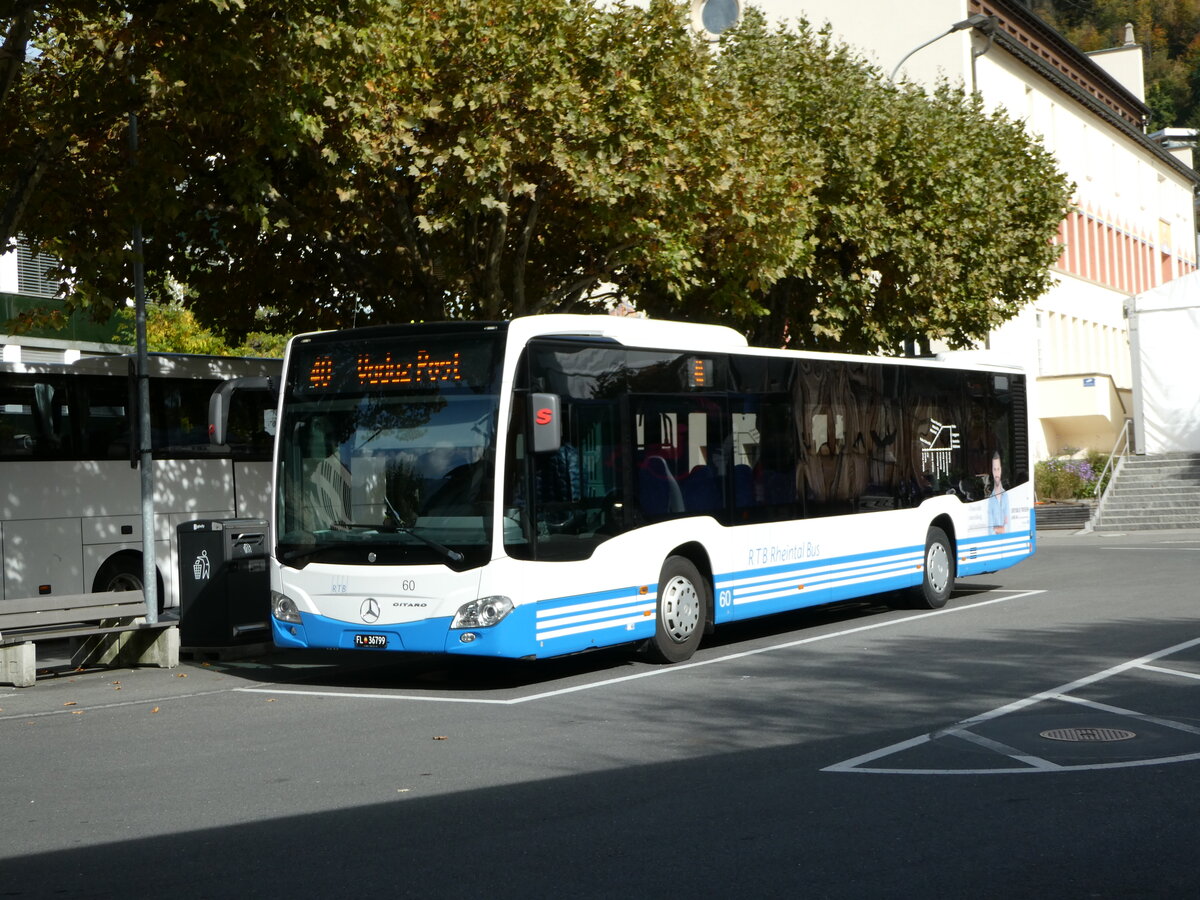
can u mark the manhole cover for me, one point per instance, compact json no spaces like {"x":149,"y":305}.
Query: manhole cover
{"x":1088,"y":734}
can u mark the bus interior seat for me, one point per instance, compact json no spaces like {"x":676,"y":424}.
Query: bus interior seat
{"x":658,"y":491}
{"x":701,"y":490}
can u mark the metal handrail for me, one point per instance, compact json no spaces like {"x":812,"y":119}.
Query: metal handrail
{"x":1116,"y":459}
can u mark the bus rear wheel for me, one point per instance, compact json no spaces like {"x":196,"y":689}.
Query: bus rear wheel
{"x":123,"y":572}
{"x":682,"y":608}
{"x":937,"y":578}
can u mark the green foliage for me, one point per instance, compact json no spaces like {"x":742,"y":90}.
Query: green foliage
{"x":1068,"y":478}
{"x":356,"y":161}
{"x":912,"y":237}
{"x":173,"y":328}
{"x":1169,"y":34}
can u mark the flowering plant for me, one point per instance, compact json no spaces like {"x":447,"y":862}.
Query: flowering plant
{"x":1069,"y":478}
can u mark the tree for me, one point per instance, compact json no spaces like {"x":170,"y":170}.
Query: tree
{"x":511,"y":158}
{"x":934,"y":217}
{"x":229,"y":98}
{"x":172,"y":327}
{"x":344,"y":162}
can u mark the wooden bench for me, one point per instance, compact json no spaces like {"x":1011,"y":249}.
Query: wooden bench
{"x":107,"y":629}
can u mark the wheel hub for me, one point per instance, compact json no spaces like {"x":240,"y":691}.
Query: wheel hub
{"x":937,"y":566}
{"x":680,"y":609}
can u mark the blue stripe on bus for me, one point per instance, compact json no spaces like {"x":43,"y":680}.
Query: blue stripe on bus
{"x":604,"y":618}
{"x":761,"y":591}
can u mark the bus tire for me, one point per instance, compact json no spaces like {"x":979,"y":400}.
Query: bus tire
{"x":937,"y":572}
{"x":681,"y":611}
{"x":123,"y":572}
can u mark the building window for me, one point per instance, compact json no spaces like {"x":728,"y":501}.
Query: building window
{"x":32,"y":279}
{"x":716,"y":16}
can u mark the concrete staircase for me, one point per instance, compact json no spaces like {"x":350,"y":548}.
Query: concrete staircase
{"x":1151,"y":492}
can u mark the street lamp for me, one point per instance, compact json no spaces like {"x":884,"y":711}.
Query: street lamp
{"x":986,"y":24}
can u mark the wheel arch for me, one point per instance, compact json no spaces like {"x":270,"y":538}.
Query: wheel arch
{"x":946,"y":523}
{"x":127,"y":560}
{"x":695,"y":552}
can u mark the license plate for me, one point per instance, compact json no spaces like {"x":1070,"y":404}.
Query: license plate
{"x":375,"y":641}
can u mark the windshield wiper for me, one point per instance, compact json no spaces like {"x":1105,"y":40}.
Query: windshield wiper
{"x":452,"y":555}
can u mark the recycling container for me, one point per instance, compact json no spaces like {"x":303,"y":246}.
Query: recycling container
{"x":224,"y":586}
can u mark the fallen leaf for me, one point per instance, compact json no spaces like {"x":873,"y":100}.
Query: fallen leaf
{"x":181,"y":675}
{"x":77,"y":712}
{"x":154,"y":710}
{"x":271,"y":700}
{"x":70,"y":703}
{"x":440,"y":737}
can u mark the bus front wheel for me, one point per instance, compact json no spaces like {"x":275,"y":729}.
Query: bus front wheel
{"x":937,"y":579}
{"x":682,"y":607}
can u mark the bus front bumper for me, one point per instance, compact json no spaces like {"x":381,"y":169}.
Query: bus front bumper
{"x":424,"y":636}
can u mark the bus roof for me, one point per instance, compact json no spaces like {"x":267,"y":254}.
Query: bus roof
{"x":663,"y":334}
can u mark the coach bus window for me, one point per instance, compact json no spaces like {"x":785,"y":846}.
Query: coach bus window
{"x":107,"y":422}
{"x":179,"y":416}
{"x":36,"y":419}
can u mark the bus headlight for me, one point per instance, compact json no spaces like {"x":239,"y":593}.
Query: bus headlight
{"x":482,"y":613}
{"x":284,"y":608}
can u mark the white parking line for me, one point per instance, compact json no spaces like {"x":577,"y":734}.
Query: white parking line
{"x":859,"y":764}
{"x":649,"y":673}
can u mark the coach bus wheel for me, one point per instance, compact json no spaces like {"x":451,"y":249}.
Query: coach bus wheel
{"x":682,"y":606}
{"x":124,"y":573}
{"x":937,"y":580}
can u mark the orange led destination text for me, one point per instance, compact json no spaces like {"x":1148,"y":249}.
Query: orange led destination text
{"x":422,"y":370}
{"x":321,"y":372}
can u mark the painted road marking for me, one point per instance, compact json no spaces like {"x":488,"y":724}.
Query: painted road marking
{"x":1062,"y":693}
{"x":547,"y":695}
{"x":649,"y":673}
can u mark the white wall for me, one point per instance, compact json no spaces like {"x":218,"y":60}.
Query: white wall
{"x":8,"y":273}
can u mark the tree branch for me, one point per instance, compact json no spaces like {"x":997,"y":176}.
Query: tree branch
{"x":12,"y":54}
{"x":522,"y":255}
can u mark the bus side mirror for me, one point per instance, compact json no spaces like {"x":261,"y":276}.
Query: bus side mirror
{"x":547,"y":430}
{"x":218,"y":404}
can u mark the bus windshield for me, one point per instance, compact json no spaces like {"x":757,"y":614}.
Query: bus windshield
{"x":387,"y":451}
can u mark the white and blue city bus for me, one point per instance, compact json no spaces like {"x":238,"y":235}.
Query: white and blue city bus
{"x":554,"y":484}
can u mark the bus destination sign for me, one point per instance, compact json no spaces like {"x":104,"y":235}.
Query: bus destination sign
{"x":419,"y":370}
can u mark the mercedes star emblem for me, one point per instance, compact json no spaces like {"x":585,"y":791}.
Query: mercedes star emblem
{"x":369,"y":610}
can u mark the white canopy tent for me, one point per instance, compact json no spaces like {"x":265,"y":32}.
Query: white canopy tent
{"x":1164,"y":341}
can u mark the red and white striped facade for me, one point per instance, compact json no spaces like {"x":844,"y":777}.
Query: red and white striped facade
{"x":1120,"y":254}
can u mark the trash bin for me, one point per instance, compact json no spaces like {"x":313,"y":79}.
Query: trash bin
{"x":224,"y":586}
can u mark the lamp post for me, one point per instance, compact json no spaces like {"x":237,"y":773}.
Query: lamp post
{"x":986,"y":24}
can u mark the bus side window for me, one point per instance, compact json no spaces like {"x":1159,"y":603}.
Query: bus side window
{"x":765,"y":459}
{"x":18,"y":429}
{"x":106,"y":426}
{"x":36,"y":419}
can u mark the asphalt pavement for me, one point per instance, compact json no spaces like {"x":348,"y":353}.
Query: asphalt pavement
{"x":1040,"y":735}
